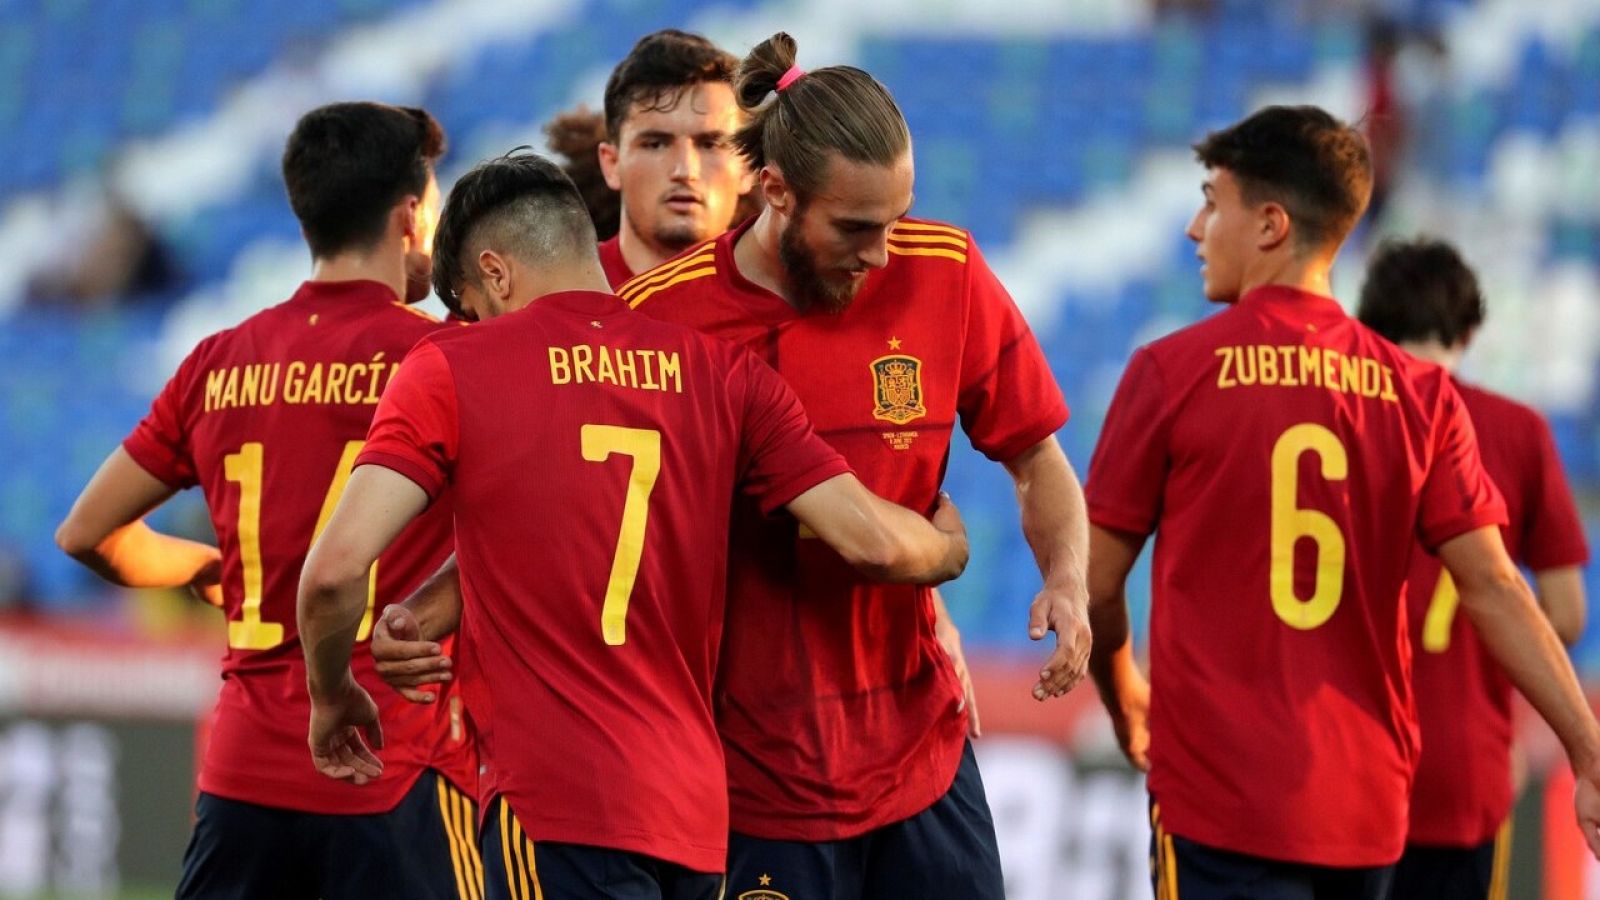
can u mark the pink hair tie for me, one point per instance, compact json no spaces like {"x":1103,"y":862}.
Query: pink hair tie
{"x":790,"y":77}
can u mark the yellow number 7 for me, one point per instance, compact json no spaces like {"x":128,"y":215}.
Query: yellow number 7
{"x":644,"y":445}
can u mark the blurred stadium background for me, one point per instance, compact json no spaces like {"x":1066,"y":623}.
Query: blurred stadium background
{"x":141,"y":207}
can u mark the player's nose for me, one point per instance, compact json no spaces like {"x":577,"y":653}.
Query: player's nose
{"x":685,"y":161}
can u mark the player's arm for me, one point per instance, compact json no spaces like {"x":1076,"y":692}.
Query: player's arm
{"x":1503,"y":610}
{"x":105,"y":531}
{"x":1562,"y":598}
{"x":1123,"y":688}
{"x":883,"y":540}
{"x":377,"y":503}
{"x":1056,"y":526}
{"x":404,"y":643}
{"x":944,"y":629}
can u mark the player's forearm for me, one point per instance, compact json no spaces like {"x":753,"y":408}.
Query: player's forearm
{"x":135,"y":555}
{"x":903,"y":547}
{"x":1054,"y":518}
{"x":1561,"y":596}
{"x":1111,"y":663}
{"x":437,"y":603}
{"x":1503,"y":612}
{"x":332,"y":600}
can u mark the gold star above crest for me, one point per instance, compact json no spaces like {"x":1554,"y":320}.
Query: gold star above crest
{"x":894,"y":343}
{"x":765,"y":880}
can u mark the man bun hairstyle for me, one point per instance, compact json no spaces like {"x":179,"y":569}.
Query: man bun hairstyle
{"x":1315,"y":166}
{"x":838,"y":109}
{"x":520,"y":205}
{"x":656,"y":71}
{"x":346,"y":165}
{"x":1420,"y":290}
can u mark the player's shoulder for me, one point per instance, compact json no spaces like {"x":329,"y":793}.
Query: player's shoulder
{"x":928,"y":244}
{"x":697,"y":265}
{"x":1487,"y":406}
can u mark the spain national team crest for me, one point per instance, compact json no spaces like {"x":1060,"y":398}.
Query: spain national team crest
{"x":897,"y":388}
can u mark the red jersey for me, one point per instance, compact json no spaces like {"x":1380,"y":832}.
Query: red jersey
{"x":267,"y":418}
{"x":853,"y":722}
{"x":592,"y":512}
{"x":617,"y":270}
{"x":1287,"y":458}
{"x":1463,"y":784}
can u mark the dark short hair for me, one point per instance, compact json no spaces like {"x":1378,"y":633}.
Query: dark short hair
{"x":656,"y":71}
{"x":575,"y":135}
{"x":520,"y":204}
{"x":1420,"y":290}
{"x":347,"y":164}
{"x":1317,"y":167}
{"x":836,"y":109}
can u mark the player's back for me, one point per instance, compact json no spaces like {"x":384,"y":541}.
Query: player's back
{"x":595,"y":457}
{"x":1463,"y":786}
{"x":1303,"y":455}
{"x":267,"y":418}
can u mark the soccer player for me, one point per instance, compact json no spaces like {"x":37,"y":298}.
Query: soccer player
{"x":1287,"y":459}
{"x":1422,"y":296}
{"x":850,"y":773}
{"x":268,"y":418}
{"x":592,"y":513}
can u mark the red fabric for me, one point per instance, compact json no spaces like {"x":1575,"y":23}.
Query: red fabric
{"x":617,"y":271}
{"x":1463,"y":786}
{"x":301,"y":381}
{"x":595,"y":743}
{"x":837,"y":706}
{"x":1292,"y":743}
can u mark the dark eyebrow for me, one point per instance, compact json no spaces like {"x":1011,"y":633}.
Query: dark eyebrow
{"x":656,"y":134}
{"x":869,"y":223}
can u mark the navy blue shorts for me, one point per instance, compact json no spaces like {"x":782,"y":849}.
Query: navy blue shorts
{"x":519,"y":869}
{"x":421,"y":849}
{"x":947,"y":850}
{"x":1181,"y":869}
{"x":1455,"y":873}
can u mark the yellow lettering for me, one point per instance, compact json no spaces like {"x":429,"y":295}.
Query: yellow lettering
{"x":213,"y":389}
{"x":269,"y":384}
{"x":670,"y":368}
{"x":337,"y":372}
{"x":230,"y":389}
{"x":1289,"y":379}
{"x":1370,"y":381}
{"x":560,"y":367}
{"x":249,"y":386}
{"x":312,"y":392}
{"x":625,"y":374}
{"x":294,"y":382}
{"x":352,"y":388}
{"x":1350,"y":375}
{"x":1311,"y":366}
{"x":1388,"y":386}
{"x":377,"y":372}
{"x":607,"y":373}
{"x":645,"y":358}
{"x":1241,"y":356}
{"x":1330,"y":369}
{"x":1223,"y":379}
{"x":582,"y":355}
{"x":1268,"y":363}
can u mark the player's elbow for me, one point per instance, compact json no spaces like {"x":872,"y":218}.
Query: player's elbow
{"x":875,"y":554}
{"x":79,"y":541}
{"x":325,"y":575}
{"x":1488,"y":589}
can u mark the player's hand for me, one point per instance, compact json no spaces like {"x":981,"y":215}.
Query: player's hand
{"x":1130,"y":719}
{"x":950,"y":640}
{"x":338,"y":723}
{"x":1065,"y":612}
{"x":1587,"y":803}
{"x":206,"y":585}
{"x":404,"y":661}
{"x":947,"y":518}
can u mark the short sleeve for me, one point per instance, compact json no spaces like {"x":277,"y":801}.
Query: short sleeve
{"x":780,"y":454}
{"x":416,"y":429}
{"x":1008,"y":399}
{"x":1128,"y":472}
{"x":1554,"y":536}
{"x":1457,"y":496}
{"x":160,"y":443}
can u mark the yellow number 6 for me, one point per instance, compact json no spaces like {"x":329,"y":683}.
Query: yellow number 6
{"x":644,"y":445}
{"x":1291,"y":523}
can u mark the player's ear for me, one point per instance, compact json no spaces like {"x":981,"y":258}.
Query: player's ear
{"x":407,"y":218}
{"x":1273,"y":226}
{"x":775,"y":190}
{"x":607,"y":154}
{"x":495,"y":274}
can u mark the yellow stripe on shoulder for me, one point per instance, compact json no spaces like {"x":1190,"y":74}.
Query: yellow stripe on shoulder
{"x":700,"y":254}
{"x":956,"y":255}
{"x":680,"y":278}
{"x":417,"y":312}
{"x":929,"y":228}
{"x":928,"y":239}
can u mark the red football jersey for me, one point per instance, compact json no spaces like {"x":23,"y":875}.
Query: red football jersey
{"x":267,"y":418}
{"x":592,"y":512}
{"x":1286,"y":458}
{"x":1463,"y":788}
{"x":617,"y":271}
{"x":836,"y":704}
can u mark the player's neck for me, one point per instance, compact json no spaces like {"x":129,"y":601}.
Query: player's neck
{"x":756,"y":256}
{"x":584,"y":275}
{"x":1435,"y":352}
{"x":1284,"y":270}
{"x":383,"y":264}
